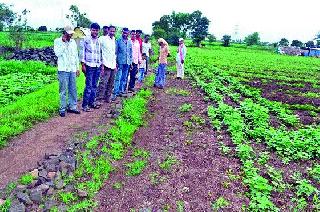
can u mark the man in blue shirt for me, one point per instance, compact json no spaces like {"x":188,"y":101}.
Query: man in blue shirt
{"x":124,"y":59}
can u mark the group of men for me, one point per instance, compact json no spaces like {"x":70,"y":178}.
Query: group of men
{"x":106,"y":63}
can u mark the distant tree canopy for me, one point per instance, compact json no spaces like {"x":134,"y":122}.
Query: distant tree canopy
{"x":7,"y":16}
{"x":176,"y":25}
{"x":284,"y":42}
{"x":226,"y":40}
{"x":42,"y":29}
{"x":296,"y":43}
{"x":253,"y":39}
{"x":310,"y":44}
{"x":211,"y":38}
{"x":77,"y":18}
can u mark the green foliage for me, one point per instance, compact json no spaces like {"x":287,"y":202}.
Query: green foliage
{"x":211,"y":38}
{"x":67,"y":197}
{"x":141,"y":153}
{"x":178,"y":92}
{"x":224,"y":149}
{"x":284,"y":42}
{"x":185,"y":108}
{"x":24,"y":113}
{"x":77,"y":18}
{"x":199,"y":27}
{"x":253,"y":39}
{"x":226,"y":40}
{"x":168,"y":162}
{"x":117,"y":185}
{"x":26,"y":179}
{"x":296,"y":43}
{"x":219,"y":204}
{"x":135,"y":168}
{"x":314,"y":172}
{"x":263,"y":158}
{"x":7,"y":16}
{"x":6,"y":205}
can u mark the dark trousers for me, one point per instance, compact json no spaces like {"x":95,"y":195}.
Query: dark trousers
{"x":106,"y":83}
{"x":92,"y":77}
{"x":133,"y":74}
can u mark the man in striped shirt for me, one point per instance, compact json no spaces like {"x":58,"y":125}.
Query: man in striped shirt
{"x":91,"y":60}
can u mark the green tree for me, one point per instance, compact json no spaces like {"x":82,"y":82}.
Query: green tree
{"x":226,"y":40}
{"x":77,"y":18}
{"x":18,"y":29}
{"x":296,"y":43}
{"x":253,"y":39}
{"x":7,"y":16}
{"x":284,"y":42}
{"x":211,"y":38}
{"x":310,"y":44}
{"x":199,"y":26}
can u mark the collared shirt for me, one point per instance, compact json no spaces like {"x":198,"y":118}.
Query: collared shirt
{"x":164,"y":51}
{"x":108,"y":47}
{"x":67,"y":53}
{"x":143,"y":64}
{"x":124,"y":51}
{"x":182,"y":52}
{"x":146,"y":47}
{"x":136,"y":53}
{"x":91,"y":52}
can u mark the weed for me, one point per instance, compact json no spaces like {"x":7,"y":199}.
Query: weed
{"x":188,"y":142}
{"x":197,"y":120}
{"x":314,"y":172}
{"x":224,"y":149}
{"x":26,"y":179}
{"x":231,"y":175}
{"x":156,"y":179}
{"x":6,"y":205}
{"x":168,"y":162}
{"x":180,"y":206}
{"x":276,"y":178}
{"x":185,"y":108}
{"x":117,"y":185}
{"x":67,"y":197}
{"x":220,"y":203}
{"x":178,"y":92}
{"x":135,"y":168}
{"x":264,"y":157}
{"x":141,"y":153}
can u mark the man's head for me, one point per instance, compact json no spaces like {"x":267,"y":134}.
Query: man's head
{"x":133,"y":34}
{"x":138,"y":33}
{"x":112,"y":31}
{"x":94,"y":28}
{"x":181,"y":40}
{"x":146,"y":38}
{"x":105,"y":30}
{"x":125,"y":32}
{"x":144,"y":56}
{"x":68,"y":32}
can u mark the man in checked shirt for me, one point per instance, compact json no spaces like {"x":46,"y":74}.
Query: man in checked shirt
{"x":91,"y":60}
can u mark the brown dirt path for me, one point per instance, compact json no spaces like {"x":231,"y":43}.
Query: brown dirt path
{"x":51,"y":136}
{"x":201,"y":174}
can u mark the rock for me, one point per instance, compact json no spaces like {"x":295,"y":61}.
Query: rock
{"x":43,"y":188}
{"x":49,"y":204}
{"x":82,"y":193}
{"x":59,"y":184}
{"x":35,"y":173}
{"x":50,"y":191}
{"x":51,"y":175}
{"x":17,"y":207}
{"x":62,"y":208}
{"x":24,"y":198}
{"x":21,"y":188}
{"x":36,"y":195}
{"x":109,"y":115}
{"x":185,"y":190}
{"x":119,"y":106}
{"x":41,"y":180}
{"x":43,"y":173}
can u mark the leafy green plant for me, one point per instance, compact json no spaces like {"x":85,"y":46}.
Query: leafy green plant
{"x":224,"y":149}
{"x":135,"y":168}
{"x":117,"y":185}
{"x":185,"y":108}
{"x":141,"y":153}
{"x":178,"y":92}
{"x":67,"y":197}
{"x":263,"y":158}
{"x":220,"y":203}
{"x":314,"y":172}
{"x":26,"y":179}
{"x":168,"y":162}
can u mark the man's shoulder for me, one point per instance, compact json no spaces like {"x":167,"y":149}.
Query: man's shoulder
{"x":59,"y":39}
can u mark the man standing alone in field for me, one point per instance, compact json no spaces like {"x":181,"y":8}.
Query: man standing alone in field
{"x":66,"y":50}
{"x":181,"y":55}
{"x":91,"y":66}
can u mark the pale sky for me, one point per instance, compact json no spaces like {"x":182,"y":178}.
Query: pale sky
{"x":273,"y":19}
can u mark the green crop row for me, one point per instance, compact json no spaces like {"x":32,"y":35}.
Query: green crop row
{"x":16,"y":66}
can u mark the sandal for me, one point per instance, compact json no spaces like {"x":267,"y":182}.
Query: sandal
{"x":87,"y":109}
{"x":95,"y":106}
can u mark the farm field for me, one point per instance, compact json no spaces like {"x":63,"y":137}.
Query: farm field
{"x":33,"y":39}
{"x":240,"y":133}
{"x":266,"y":110}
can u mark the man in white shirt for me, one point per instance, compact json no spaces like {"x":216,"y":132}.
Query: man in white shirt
{"x":109,"y":61}
{"x":66,"y":50}
{"x":147,"y":49}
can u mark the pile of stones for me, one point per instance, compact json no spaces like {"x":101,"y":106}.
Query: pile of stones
{"x":45,"y":55}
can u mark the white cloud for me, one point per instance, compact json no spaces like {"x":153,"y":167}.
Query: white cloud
{"x":273,"y":19}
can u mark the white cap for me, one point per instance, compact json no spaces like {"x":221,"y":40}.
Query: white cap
{"x":69,"y":29}
{"x":180,"y":39}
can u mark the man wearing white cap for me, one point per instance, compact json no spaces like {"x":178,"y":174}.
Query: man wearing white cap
{"x":66,"y":50}
{"x":181,"y":55}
